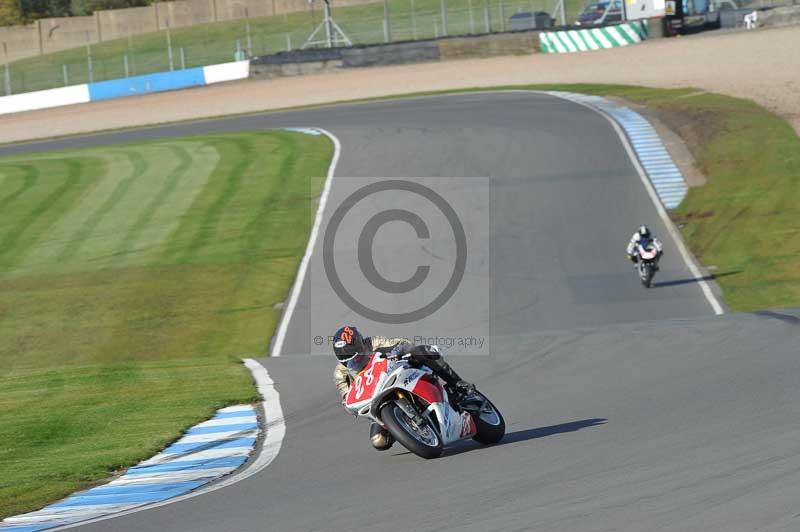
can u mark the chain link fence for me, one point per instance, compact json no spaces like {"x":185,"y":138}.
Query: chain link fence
{"x":381,"y":22}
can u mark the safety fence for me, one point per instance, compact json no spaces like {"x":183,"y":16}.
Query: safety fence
{"x":173,"y":49}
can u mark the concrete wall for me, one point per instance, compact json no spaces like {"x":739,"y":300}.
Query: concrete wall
{"x":185,"y":13}
{"x":70,"y":32}
{"x":62,"y":33}
{"x":301,"y":62}
{"x":18,"y":42}
{"x":116,"y":24}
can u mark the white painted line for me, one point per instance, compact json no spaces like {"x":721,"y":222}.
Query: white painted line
{"x":687,"y":258}
{"x":280,"y":336}
{"x":276,"y":426}
{"x":275,"y":432}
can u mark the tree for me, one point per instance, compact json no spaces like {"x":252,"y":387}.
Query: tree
{"x":87,"y":7}
{"x":10,"y":13}
{"x":33,"y":9}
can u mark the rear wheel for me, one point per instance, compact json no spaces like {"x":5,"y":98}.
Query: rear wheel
{"x":419,"y":438}
{"x":488,"y":420}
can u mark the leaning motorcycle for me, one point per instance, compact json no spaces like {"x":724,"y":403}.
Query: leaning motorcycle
{"x":415,"y":407}
{"x":648,"y":263}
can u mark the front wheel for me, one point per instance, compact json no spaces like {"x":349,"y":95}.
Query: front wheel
{"x":420,"y":439}
{"x":648,"y":270}
{"x":488,"y":420}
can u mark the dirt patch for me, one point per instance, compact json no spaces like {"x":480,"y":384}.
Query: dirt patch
{"x":677,"y":134}
{"x":760,"y":65}
{"x":489,"y":45}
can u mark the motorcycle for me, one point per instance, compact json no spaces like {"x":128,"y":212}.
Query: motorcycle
{"x":648,"y":263}
{"x":416,"y":409}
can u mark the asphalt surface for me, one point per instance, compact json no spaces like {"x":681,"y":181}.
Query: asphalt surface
{"x":627,"y":409}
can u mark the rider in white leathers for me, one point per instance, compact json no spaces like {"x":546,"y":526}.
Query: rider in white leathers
{"x":643,"y":235}
{"x":348,"y":342}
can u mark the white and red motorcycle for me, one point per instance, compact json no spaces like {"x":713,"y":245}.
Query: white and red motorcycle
{"x":648,"y":262}
{"x":415,"y":407}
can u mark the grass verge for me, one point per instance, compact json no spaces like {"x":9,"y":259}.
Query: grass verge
{"x":133,"y":279}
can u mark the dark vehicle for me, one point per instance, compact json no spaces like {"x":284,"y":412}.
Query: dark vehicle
{"x":687,"y":16}
{"x":600,"y":12}
{"x":538,"y":20}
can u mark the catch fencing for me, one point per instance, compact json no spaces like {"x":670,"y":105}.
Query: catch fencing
{"x":173,"y":49}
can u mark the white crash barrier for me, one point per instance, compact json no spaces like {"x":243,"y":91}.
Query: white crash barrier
{"x":103,"y":90}
{"x":29,"y":101}
{"x":226,"y":72}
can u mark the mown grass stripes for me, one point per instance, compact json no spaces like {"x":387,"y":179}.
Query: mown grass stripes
{"x":29,"y":176}
{"x":136,"y":344}
{"x":236,"y":154}
{"x":120,"y":190}
{"x":162,"y":195}
{"x":28,"y":225}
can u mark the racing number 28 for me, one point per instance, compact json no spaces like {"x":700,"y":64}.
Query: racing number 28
{"x":359,"y":384}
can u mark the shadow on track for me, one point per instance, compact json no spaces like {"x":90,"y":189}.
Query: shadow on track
{"x":524,"y":435}
{"x":676,"y":282}
{"x":543,"y":432}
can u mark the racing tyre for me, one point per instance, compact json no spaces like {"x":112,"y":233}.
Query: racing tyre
{"x":489,"y":422}
{"x":648,"y":280}
{"x":420,"y":440}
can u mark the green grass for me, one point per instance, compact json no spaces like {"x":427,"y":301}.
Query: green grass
{"x":134,"y":278}
{"x":216,"y":43}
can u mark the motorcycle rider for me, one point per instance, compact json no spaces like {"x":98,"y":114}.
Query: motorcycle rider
{"x":348,"y":342}
{"x":644,"y":236}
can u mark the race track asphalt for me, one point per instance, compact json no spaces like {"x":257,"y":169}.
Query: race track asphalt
{"x":627,"y":409}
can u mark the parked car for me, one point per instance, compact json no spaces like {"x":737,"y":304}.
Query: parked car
{"x":538,"y":20}
{"x":600,"y":12}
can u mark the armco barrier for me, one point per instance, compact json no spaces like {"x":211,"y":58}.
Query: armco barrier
{"x":584,"y":40}
{"x":117,"y":88}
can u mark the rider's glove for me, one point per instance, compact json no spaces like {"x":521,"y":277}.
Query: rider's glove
{"x":400,"y":350}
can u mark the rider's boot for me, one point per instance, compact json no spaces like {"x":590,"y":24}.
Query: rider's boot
{"x":450,"y":377}
{"x":380,"y":437}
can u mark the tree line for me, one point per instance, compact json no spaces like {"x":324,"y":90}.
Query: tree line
{"x":13,"y":12}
